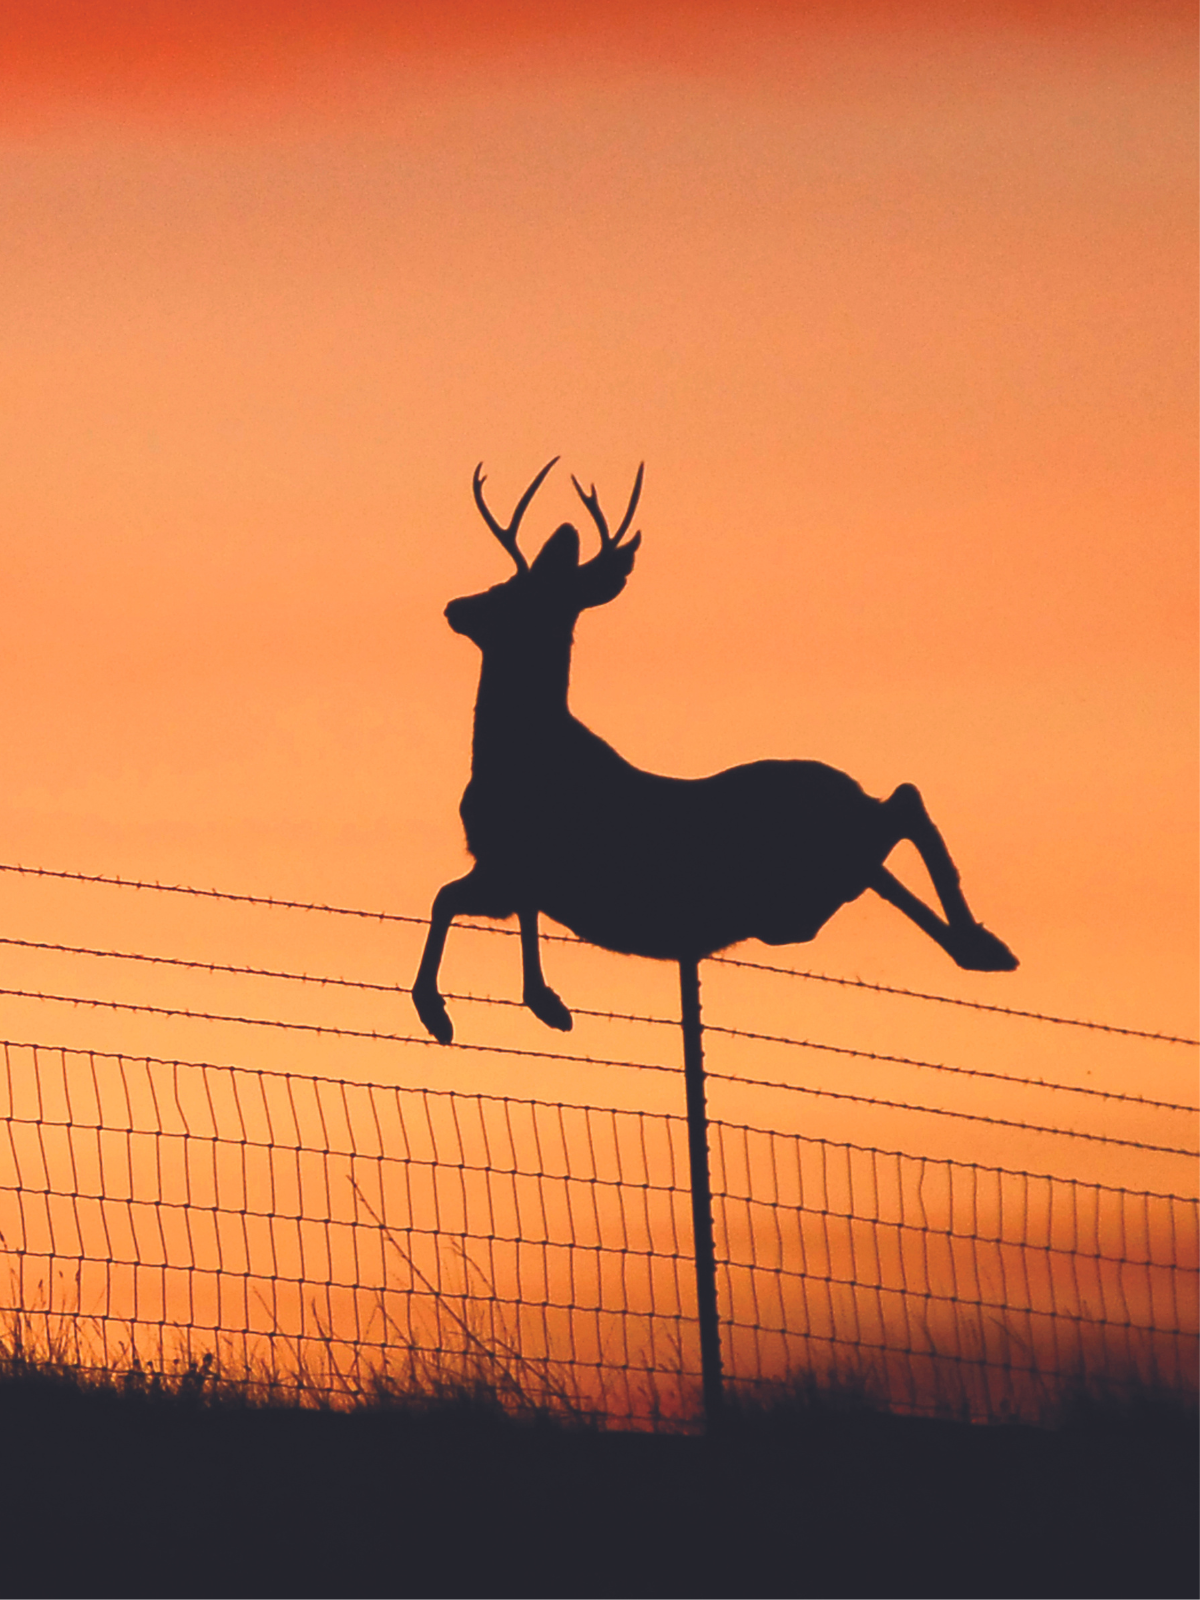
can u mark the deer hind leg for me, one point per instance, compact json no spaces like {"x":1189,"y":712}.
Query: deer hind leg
{"x":539,"y":996}
{"x":471,"y":896}
{"x":964,"y":939}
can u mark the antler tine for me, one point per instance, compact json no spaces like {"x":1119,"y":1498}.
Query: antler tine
{"x":591,"y":501}
{"x":508,"y":536}
{"x":477,"y":484}
{"x":523,"y":502}
{"x":633,"y":504}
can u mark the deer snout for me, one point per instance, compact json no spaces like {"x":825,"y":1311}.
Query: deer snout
{"x":458,"y":615}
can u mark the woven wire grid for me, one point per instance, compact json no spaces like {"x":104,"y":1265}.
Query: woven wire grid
{"x":334,"y":1239}
{"x":949,"y":1287}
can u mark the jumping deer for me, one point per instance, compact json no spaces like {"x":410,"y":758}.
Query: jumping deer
{"x":670,"y":868}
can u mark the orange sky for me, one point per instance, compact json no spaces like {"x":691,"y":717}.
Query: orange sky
{"x":897,"y":305}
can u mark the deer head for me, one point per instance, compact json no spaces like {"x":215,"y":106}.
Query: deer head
{"x":557,"y":587}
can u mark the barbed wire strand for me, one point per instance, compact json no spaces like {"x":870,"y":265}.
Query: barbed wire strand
{"x":964,"y":1072}
{"x":278,"y":903}
{"x":592,"y":1061}
{"x":607,"y":1016}
{"x":317,"y":1078}
{"x":954,"y":1000}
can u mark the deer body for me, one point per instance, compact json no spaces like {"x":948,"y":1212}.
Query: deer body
{"x":669,"y":868}
{"x":681,"y":874}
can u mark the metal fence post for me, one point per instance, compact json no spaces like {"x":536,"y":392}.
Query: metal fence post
{"x":702,"y":1219}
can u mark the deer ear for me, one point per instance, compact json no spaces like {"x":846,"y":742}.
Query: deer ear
{"x":559,"y":556}
{"x":604,"y":576}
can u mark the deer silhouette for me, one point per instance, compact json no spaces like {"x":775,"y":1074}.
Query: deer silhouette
{"x":669,"y":868}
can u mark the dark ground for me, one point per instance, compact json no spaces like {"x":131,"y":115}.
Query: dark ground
{"x":103,"y":1494}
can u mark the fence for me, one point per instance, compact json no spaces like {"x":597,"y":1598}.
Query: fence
{"x":336,"y":1236}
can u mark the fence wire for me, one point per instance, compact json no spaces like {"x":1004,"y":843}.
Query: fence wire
{"x":335,"y":1238}
{"x":326,"y":981}
{"x":279,"y":903}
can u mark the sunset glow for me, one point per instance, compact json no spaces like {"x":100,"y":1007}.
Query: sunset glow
{"x":897,"y":305}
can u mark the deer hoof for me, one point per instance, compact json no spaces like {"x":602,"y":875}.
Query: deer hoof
{"x":548,"y":1008}
{"x":981,"y":951}
{"x":431,"y":1009}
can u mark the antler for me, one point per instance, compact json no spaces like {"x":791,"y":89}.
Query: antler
{"x":508,"y":536}
{"x":592,"y":502}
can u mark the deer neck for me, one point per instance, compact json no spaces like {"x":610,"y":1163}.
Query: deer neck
{"x":522,"y":700}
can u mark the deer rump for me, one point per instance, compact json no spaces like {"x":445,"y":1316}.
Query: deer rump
{"x":674,"y":868}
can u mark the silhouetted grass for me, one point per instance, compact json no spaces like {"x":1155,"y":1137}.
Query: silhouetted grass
{"x":187,"y":1481}
{"x":471,"y":1358}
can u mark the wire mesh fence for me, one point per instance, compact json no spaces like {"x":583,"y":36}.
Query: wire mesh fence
{"x":334,"y":1238}
{"x":299,"y":1224}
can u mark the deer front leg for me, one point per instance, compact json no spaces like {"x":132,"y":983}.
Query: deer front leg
{"x":538,"y":995}
{"x":469,"y":896}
